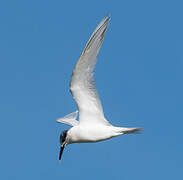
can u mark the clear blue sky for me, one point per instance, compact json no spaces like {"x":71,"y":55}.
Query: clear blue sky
{"x":139,"y":77}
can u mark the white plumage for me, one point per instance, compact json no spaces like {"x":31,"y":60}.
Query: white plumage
{"x":92,"y":125}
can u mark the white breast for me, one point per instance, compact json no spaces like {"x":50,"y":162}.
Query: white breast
{"x":92,"y":133}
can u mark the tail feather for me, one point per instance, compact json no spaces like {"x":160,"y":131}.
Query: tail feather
{"x":132,"y":130}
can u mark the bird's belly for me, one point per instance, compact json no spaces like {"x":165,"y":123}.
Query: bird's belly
{"x":91,"y":134}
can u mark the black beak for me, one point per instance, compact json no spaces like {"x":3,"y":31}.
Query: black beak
{"x":61,"y":151}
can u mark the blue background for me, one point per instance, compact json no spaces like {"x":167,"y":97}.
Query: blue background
{"x":139,"y":77}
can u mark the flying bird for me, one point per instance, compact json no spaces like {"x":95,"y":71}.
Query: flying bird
{"x":92,"y":125}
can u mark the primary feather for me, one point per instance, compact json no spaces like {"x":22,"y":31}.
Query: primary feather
{"x":82,"y":83}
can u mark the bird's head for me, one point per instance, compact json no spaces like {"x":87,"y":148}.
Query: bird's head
{"x":63,"y":143}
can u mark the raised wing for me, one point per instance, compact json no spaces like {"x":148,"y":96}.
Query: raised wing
{"x":82,"y":83}
{"x":70,"y":119}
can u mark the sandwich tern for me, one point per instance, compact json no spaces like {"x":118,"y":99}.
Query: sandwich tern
{"x":92,"y":125}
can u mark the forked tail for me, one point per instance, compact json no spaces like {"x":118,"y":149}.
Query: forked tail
{"x":132,"y":130}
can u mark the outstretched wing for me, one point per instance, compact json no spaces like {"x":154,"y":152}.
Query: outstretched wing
{"x":70,"y":119}
{"x":82,"y":83}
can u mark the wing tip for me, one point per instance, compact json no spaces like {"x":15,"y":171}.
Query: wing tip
{"x":104,"y":21}
{"x":58,"y":120}
{"x":102,"y":25}
{"x":107,"y":17}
